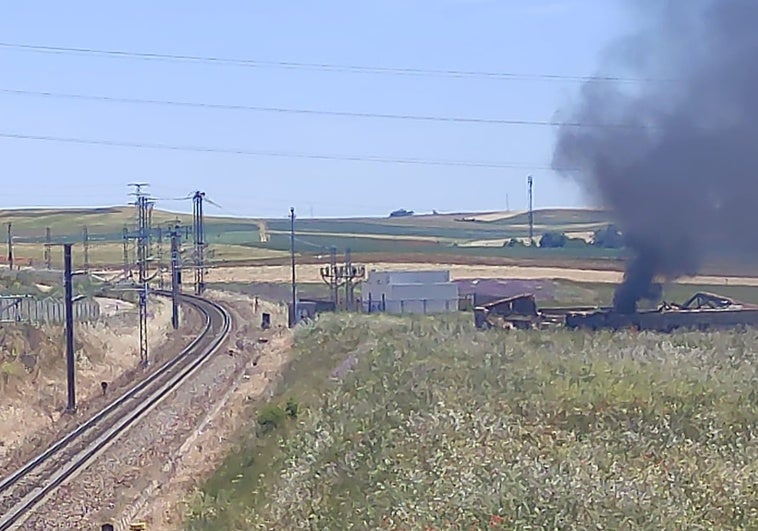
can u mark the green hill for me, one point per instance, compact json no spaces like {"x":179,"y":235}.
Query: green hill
{"x":467,"y":234}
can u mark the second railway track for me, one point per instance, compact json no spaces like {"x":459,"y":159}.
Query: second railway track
{"x":26,"y":488}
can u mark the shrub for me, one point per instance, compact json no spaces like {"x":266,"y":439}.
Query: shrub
{"x":270,"y":418}
{"x":608,"y":238}
{"x":552,"y":240}
{"x":291,"y":408}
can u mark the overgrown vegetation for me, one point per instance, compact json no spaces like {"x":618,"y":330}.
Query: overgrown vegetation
{"x":426,"y":424}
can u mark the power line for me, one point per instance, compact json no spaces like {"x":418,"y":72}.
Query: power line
{"x":330,"y":67}
{"x":283,"y":110}
{"x":281,"y":154}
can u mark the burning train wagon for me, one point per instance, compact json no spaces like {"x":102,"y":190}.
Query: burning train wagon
{"x":701,"y":312}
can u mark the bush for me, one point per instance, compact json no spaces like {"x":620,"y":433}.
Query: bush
{"x":270,"y":418}
{"x":291,"y":408}
{"x":608,"y":238}
{"x":553,"y":240}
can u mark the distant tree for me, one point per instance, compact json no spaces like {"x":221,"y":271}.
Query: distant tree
{"x":552,"y":240}
{"x":609,"y":237}
{"x":402,"y":213}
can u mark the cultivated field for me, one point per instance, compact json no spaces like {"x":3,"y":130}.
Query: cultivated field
{"x":311,"y":273}
{"x":237,"y":239}
{"x":424,"y":423}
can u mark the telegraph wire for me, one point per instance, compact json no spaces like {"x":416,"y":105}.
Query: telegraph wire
{"x":328,"y":67}
{"x":279,"y":154}
{"x":283,"y":110}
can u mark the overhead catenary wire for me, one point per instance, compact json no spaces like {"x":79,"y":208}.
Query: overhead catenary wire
{"x":329,"y":67}
{"x":284,"y":110}
{"x":280,"y":154}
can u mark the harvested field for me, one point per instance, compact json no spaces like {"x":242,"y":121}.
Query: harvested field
{"x":310,"y":273}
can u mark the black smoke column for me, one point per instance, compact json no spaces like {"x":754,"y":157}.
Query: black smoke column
{"x":673,"y":154}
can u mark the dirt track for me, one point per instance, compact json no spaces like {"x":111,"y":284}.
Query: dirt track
{"x":310,"y":273}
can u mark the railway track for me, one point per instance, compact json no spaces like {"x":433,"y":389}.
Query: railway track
{"x":26,"y":488}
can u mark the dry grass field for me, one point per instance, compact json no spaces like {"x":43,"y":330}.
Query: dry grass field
{"x":424,"y":423}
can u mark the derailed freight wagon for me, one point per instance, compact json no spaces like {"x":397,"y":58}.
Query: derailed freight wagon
{"x":702,"y":311}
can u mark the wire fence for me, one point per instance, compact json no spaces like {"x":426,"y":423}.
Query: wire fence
{"x":414,"y":306}
{"x":47,"y":311}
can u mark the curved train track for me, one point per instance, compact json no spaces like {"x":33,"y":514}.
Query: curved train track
{"x":26,"y":488}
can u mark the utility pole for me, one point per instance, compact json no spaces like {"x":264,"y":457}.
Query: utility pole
{"x":144,"y":205}
{"x":332,"y":276}
{"x":85,"y":245}
{"x":127,"y":268}
{"x":293,"y":312}
{"x":48,"y":253}
{"x":69,"y":306}
{"x":334,"y":281}
{"x":348,"y":280}
{"x":344,"y":275}
{"x":199,"y":233}
{"x":10,"y":246}
{"x":176,"y":278}
{"x":530,"y":182}
{"x":68,"y":284}
{"x":149,"y":230}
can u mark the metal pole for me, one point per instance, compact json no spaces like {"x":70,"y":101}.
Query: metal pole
{"x":69,"y":307}
{"x":48,"y":253}
{"x":199,"y":238}
{"x":175,"y":278}
{"x":201,"y":249}
{"x":143,"y":344}
{"x":293,"y":312}
{"x":333,"y":288}
{"x":85,"y":243}
{"x":10,"y":246}
{"x":127,"y":269}
{"x":348,"y":280}
{"x":531,"y":211}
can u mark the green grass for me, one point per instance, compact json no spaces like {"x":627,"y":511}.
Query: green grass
{"x":315,"y":244}
{"x":439,"y":426}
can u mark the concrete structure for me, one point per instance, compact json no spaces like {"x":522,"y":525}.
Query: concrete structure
{"x":401,"y":292}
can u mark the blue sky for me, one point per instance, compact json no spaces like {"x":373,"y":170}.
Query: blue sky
{"x":530,"y":37}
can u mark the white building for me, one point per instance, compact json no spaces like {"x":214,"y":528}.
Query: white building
{"x":409,"y":292}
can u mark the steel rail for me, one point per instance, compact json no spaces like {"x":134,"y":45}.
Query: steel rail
{"x":119,"y":412}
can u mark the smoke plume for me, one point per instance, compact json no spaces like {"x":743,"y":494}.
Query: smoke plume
{"x":674,"y":152}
